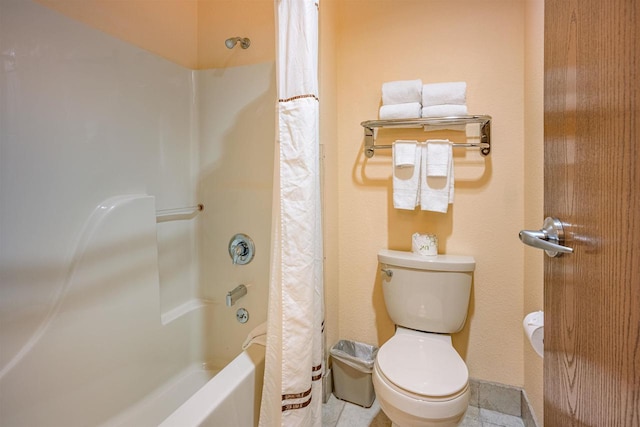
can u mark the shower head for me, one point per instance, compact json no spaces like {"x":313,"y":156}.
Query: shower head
{"x":244,"y":42}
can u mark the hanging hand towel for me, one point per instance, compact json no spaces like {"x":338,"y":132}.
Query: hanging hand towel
{"x":406,"y":182}
{"x":436,"y":193}
{"x":401,"y":92}
{"x":409,"y":110}
{"x":404,"y":153}
{"x":444,"y":93}
{"x":438,"y":157}
{"x":444,"y":110}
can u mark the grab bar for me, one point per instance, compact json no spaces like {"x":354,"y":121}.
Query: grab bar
{"x":189,"y":212}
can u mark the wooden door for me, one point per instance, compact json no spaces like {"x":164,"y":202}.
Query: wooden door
{"x":592,"y":184}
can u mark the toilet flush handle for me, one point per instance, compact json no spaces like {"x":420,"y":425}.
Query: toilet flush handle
{"x":387,"y":271}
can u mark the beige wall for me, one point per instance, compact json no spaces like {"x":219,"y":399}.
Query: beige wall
{"x":164,"y":27}
{"x":533,"y":188}
{"x":328,"y":140}
{"x":438,"y":40}
{"x":188,"y":32}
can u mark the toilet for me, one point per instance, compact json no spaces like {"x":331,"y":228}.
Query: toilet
{"x":418,"y":377}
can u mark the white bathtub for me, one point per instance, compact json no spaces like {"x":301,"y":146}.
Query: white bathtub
{"x":231,"y":398}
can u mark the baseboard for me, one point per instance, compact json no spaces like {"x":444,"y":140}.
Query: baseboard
{"x":528,"y":416}
{"x":327,"y":385}
{"x":502,"y":398}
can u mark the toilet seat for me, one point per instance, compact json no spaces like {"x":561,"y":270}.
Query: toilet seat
{"x":423,"y":365}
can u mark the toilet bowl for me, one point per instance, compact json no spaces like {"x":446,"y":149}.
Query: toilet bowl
{"x":418,"y":377}
{"x":420,"y":380}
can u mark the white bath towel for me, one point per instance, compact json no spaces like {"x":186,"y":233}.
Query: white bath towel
{"x":404,"y":153}
{"x":409,"y":110}
{"x":444,"y":110}
{"x":406,"y":183}
{"x":438,"y":157}
{"x":401,"y":92}
{"x":444,"y":93}
{"x":257,"y":336}
{"x":436,"y":193}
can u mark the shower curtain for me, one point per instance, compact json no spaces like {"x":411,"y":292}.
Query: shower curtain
{"x":292,"y":393}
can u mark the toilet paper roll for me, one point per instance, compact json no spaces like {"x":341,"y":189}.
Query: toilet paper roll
{"x":424,"y":244}
{"x":533,"y":324}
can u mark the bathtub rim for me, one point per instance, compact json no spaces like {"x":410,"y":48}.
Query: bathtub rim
{"x":199,"y":407}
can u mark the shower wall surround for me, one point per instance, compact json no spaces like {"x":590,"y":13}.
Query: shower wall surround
{"x":237,"y":142}
{"x":89,"y":331}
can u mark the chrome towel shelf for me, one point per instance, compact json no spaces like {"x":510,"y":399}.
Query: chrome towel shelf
{"x":370,"y":127}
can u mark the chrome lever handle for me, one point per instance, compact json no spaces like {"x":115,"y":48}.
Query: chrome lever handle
{"x":387,"y":271}
{"x":549,"y":238}
{"x":538,"y":239}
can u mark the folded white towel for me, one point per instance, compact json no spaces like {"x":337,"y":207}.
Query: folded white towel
{"x":406,"y":183}
{"x":438,"y":157}
{"x":444,"y":110}
{"x":401,"y":92}
{"x":257,"y":336}
{"x":409,"y":110}
{"x":404,"y":153}
{"x":444,"y":93}
{"x":436,"y":193}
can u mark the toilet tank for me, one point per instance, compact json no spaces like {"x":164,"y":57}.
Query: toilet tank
{"x":428,"y":294}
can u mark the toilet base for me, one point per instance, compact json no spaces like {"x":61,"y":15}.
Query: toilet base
{"x":415,"y":422}
{"x":444,"y":424}
{"x":407,"y":420}
{"x":406,"y":411}
{"x":457,"y":423}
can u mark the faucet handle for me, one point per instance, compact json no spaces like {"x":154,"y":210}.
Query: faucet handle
{"x":241,"y":249}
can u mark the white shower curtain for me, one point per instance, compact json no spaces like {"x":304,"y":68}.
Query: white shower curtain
{"x":292,"y":393}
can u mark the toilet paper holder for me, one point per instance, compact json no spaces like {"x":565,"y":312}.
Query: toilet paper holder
{"x":533,"y":325}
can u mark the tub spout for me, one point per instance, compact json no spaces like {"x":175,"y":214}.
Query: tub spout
{"x":236,"y":294}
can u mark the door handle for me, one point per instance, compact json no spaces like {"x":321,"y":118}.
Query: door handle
{"x":550,"y":238}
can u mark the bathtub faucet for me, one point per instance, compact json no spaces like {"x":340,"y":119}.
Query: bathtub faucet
{"x":241,"y":249}
{"x":236,"y":294}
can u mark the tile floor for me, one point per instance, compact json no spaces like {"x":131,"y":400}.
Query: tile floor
{"x":338,"y":413}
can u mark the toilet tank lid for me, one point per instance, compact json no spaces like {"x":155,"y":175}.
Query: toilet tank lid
{"x":421,"y":262}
